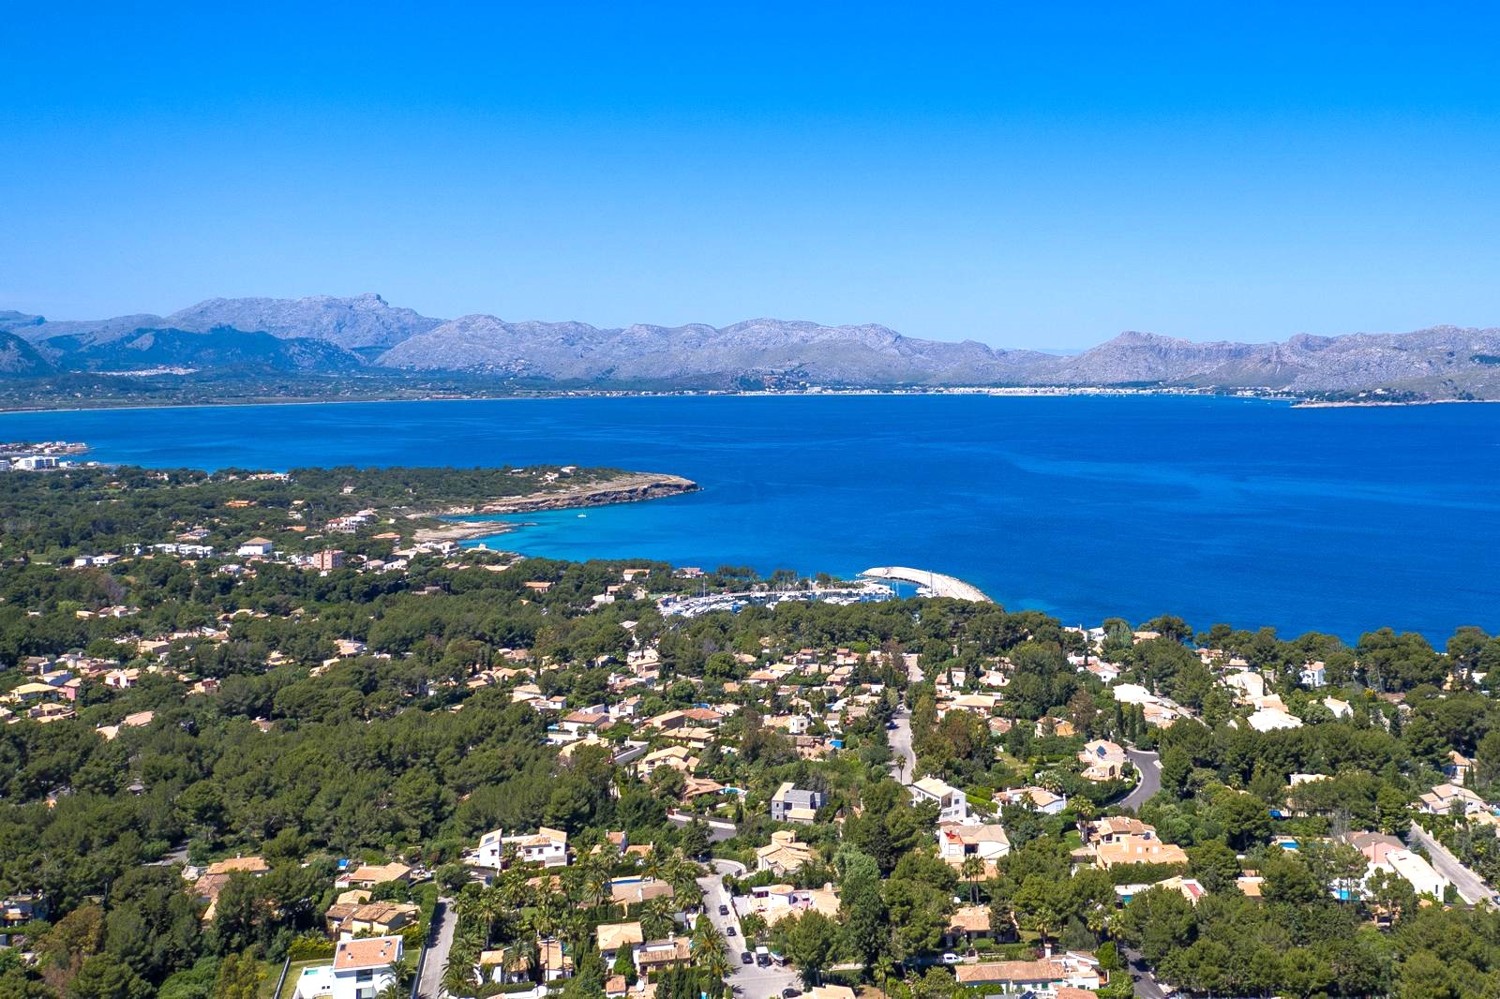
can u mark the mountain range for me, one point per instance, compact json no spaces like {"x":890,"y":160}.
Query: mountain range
{"x":331,"y":336}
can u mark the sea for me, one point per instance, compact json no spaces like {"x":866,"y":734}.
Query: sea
{"x":1250,"y":512}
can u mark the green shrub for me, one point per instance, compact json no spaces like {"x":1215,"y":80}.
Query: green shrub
{"x":310,"y":947}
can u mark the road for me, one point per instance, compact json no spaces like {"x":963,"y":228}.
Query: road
{"x":749,"y":981}
{"x":440,"y":942}
{"x":904,"y":760}
{"x":718,"y":831}
{"x":1470,"y":885}
{"x":177,"y":855}
{"x":1149,"y":766}
{"x":1145,"y":983}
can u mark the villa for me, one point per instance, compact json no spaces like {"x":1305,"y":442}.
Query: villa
{"x":784,"y":854}
{"x":792,"y":804}
{"x":361,"y":969}
{"x":952,"y":805}
{"x":958,"y":842}
{"x":547,"y":847}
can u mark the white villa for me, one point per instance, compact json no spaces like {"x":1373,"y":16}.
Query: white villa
{"x":360,"y":970}
{"x":952,"y":805}
{"x":547,"y":847}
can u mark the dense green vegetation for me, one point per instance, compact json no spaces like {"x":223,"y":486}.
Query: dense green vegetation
{"x":367,"y":714}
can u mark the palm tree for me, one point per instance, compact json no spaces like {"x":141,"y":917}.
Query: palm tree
{"x":466,"y":903}
{"x":405,"y":970}
{"x":572,"y":883}
{"x":682,"y":875}
{"x":973,"y":871}
{"x":656,"y":919}
{"x":596,"y":877}
{"x":883,"y":969}
{"x":654,"y":862}
{"x":486,"y":910}
{"x":1097,"y":921}
{"x":458,"y":976}
{"x":704,"y":934}
{"x":709,"y":953}
{"x":572,"y":927}
{"x":544,"y":919}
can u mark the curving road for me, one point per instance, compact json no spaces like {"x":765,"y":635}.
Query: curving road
{"x":749,"y":981}
{"x":1149,"y":767}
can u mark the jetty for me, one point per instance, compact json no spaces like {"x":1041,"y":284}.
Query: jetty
{"x":937,"y":584}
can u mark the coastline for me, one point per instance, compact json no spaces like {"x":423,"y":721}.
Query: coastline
{"x":632,"y":487}
{"x":1376,"y":404}
{"x":997,"y":391}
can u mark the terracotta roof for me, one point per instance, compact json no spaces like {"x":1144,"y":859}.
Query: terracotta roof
{"x":613,"y":936}
{"x":970,"y":919}
{"x":380,"y":873}
{"x":1135,"y":850}
{"x":631,"y":892}
{"x":371,"y":952}
{"x":383,"y":912}
{"x":1010,"y":971}
{"x":655,"y":952}
{"x":253,"y":865}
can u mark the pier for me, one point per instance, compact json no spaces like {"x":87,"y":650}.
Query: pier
{"x":935,"y":582}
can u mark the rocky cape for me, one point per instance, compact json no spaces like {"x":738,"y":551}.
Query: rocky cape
{"x":326,"y":337}
{"x":630,"y":487}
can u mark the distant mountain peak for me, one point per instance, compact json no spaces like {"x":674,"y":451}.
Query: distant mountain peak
{"x":332,"y":334}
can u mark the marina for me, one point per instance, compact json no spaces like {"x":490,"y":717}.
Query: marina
{"x":855,"y":593}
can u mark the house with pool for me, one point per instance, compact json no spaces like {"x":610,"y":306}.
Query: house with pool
{"x":360,"y":970}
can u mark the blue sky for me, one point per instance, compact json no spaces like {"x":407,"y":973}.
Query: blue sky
{"x":1025,"y":175}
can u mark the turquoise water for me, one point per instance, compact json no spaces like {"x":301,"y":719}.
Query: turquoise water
{"x":1249,"y":512}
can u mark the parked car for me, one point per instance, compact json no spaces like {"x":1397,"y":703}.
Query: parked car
{"x":723,"y":910}
{"x":747,"y":958}
{"x":729,"y":931}
{"x":950,"y":958}
{"x":789,"y":993}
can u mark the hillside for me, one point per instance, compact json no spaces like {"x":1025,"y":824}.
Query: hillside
{"x":849,"y":355}
{"x":327,"y":337}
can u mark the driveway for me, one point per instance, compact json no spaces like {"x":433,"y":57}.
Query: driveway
{"x":1149,"y":766}
{"x":1470,"y":885}
{"x":749,"y":981}
{"x":440,"y":942}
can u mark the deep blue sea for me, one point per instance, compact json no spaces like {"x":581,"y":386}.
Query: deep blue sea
{"x":1249,"y":512}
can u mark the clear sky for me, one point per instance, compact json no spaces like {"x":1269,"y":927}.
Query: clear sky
{"x":1041,"y":174}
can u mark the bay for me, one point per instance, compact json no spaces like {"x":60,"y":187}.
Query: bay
{"x":1244,"y":511}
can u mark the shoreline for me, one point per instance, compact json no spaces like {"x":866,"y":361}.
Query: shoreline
{"x":630,"y":487}
{"x":464,"y":530}
{"x":996,"y":391}
{"x":1006,"y":392}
